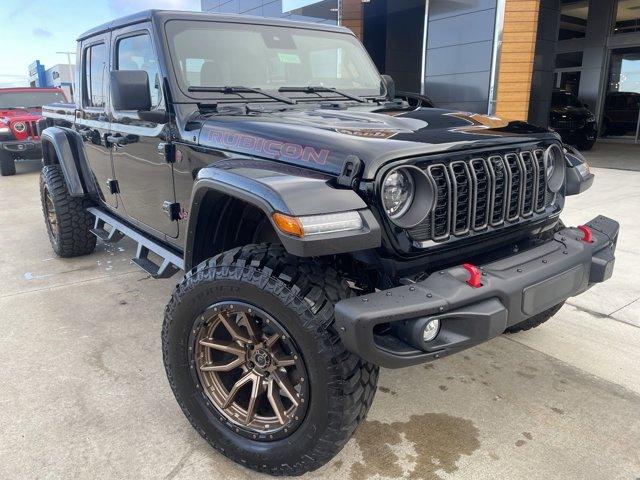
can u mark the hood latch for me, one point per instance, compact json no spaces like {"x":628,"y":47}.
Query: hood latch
{"x":350,"y":173}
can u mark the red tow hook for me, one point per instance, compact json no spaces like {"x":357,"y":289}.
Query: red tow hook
{"x":474,"y":275}
{"x":588,"y":234}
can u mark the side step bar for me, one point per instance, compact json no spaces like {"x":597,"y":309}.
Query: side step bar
{"x":171,"y":262}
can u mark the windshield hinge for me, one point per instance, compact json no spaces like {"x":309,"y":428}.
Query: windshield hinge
{"x":350,"y":173}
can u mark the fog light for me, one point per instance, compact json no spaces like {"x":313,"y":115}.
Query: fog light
{"x":431,"y":330}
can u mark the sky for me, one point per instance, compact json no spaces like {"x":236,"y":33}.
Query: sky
{"x":36,"y":29}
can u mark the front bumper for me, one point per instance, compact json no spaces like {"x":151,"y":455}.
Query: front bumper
{"x":588,"y":132}
{"x":23,"y":148}
{"x":513,"y":289}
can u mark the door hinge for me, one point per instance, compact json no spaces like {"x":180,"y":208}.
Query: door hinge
{"x":174,"y":211}
{"x":168,"y":150}
{"x":350,"y":173}
{"x":113,"y":186}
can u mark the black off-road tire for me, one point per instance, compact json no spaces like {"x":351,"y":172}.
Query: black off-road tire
{"x":301,"y":294}
{"x":7,"y":165}
{"x":534,"y":321}
{"x":73,"y":237}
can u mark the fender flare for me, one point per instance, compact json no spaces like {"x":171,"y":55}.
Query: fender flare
{"x":69,"y":150}
{"x":578,"y":177}
{"x":291,"y":195}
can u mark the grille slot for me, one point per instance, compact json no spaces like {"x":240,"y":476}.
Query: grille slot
{"x":501,"y":184}
{"x":529,"y":183}
{"x":541,"y":191}
{"x":461,"y":188}
{"x":440,"y":218}
{"x":31,"y":129}
{"x":481,"y":193}
{"x":514,"y":169}
{"x":473,"y":195}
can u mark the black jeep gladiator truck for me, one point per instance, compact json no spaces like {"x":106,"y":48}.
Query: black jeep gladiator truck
{"x":326,"y":228}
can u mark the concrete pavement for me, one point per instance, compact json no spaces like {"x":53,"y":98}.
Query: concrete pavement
{"x":618,"y":154}
{"x":83,"y":392}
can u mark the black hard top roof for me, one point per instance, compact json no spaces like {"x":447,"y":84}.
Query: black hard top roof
{"x":161,"y":15}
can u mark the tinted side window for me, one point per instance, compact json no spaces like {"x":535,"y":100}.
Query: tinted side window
{"x":95,"y":61}
{"x":136,"y":53}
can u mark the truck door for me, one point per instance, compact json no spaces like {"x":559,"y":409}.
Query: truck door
{"x":145,"y":179}
{"x":92,"y":121}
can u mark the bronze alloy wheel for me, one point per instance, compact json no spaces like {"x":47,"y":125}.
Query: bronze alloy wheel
{"x":50,"y":214}
{"x":250,"y":370}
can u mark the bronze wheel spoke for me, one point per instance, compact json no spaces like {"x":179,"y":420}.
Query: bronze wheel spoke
{"x":285,"y":385}
{"x":248,"y":377}
{"x":233,"y":328}
{"x":276,"y":402}
{"x":256,"y":391}
{"x":51,"y":214}
{"x":252,"y":328}
{"x":271,"y":341}
{"x":229,"y":347}
{"x":210,"y":367}
{"x":284,"y":361}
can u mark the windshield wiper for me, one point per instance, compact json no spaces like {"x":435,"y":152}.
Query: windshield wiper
{"x":273,"y":96}
{"x":318,"y":89}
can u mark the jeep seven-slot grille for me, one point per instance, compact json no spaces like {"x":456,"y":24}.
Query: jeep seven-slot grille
{"x":474,"y":194}
{"x":32,"y":129}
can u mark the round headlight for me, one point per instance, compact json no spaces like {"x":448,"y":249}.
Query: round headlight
{"x":554,"y":166}
{"x":408,"y":195}
{"x":397,"y":193}
{"x":19,"y":127}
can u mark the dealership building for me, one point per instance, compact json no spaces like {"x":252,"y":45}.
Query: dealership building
{"x":60,"y":76}
{"x":489,"y":56}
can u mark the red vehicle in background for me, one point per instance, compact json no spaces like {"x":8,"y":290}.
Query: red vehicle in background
{"x":20,"y":110}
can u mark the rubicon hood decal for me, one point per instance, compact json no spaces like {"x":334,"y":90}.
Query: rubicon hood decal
{"x":265,"y":147}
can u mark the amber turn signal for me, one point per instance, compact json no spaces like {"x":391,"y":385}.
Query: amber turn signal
{"x":288,"y":225}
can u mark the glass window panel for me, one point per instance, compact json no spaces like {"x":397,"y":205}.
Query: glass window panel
{"x":136,"y":53}
{"x":573,"y":19}
{"x":268,"y":57}
{"x":569,"y":60}
{"x":620,"y":116}
{"x":627,"y":16}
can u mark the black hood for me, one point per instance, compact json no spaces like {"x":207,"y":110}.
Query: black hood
{"x":323,"y":138}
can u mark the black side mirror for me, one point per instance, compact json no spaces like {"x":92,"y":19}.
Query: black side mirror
{"x":130,"y":90}
{"x":390,"y":85}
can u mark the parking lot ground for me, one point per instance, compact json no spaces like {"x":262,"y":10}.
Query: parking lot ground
{"x":618,"y":154}
{"x":83,"y":392}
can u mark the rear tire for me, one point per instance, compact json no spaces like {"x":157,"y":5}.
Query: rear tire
{"x":7,"y":165}
{"x":534,"y":321}
{"x":67,"y":220}
{"x":300,"y":295}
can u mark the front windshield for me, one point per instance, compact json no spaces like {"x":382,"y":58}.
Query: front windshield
{"x":565,"y":99}
{"x":213,"y":54}
{"x":28,"y":99}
